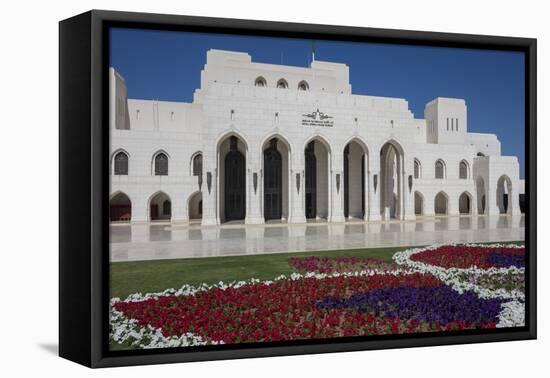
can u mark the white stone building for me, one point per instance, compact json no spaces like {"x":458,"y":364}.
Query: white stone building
{"x":265,"y":142}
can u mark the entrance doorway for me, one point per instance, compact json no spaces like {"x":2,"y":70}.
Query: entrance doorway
{"x":354,"y":180}
{"x":235,"y":183}
{"x":273,"y":182}
{"x":120,"y":208}
{"x":311,"y":181}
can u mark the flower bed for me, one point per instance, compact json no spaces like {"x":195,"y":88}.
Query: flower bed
{"x":339,"y":264}
{"x":333,"y":297}
{"x":489,"y":282}
{"x":282,"y":310}
{"x":484,"y":257}
{"x":510,"y":281}
{"x":423,"y":304}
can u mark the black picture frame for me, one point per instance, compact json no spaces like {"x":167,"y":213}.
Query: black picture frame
{"x":84,"y":183}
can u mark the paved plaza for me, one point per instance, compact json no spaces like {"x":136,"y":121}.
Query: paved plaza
{"x":169,"y":241}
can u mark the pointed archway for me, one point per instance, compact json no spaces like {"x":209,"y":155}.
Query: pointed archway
{"x":418,"y":203}
{"x":160,"y":207}
{"x":504,"y":194}
{"x":441,"y":203}
{"x":234,"y":182}
{"x":465,"y":203}
{"x":355,"y":155}
{"x":391,"y":177}
{"x":120,"y":208}
{"x":317,"y":179}
{"x":194,"y":205}
{"x":275,"y":179}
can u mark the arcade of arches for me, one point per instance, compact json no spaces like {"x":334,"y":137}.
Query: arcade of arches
{"x":385,"y":190}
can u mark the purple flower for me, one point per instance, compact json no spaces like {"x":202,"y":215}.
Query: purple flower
{"x":441,"y":304}
{"x":504,"y":260}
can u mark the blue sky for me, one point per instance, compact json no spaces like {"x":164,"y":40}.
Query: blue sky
{"x":166,"y":65}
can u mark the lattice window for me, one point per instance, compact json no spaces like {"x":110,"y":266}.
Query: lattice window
{"x":121,"y":164}
{"x":439,"y":170}
{"x":260,"y":82}
{"x":463,"y":170}
{"x":197,"y":165}
{"x":161,"y":165}
{"x":416,"y":169}
{"x":282,"y":84}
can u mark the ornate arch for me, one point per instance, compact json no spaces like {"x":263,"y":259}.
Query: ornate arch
{"x":464,"y":163}
{"x":112,"y":159}
{"x":443,"y":169}
{"x":155,"y":154}
{"x":360,"y":141}
{"x":226,"y":134}
{"x":260,"y":81}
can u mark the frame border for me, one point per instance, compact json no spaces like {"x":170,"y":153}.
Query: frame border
{"x":84,"y":141}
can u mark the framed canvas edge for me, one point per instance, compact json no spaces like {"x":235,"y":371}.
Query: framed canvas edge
{"x":75,"y":270}
{"x":98,"y":266}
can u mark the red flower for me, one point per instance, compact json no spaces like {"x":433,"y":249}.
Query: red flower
{"x":284,"y":310}
{"x":451,"y":256}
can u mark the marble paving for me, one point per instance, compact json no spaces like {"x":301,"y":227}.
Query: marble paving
{"x":166,"y":241}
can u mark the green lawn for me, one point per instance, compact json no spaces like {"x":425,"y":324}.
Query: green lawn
{"x":158,"y":275}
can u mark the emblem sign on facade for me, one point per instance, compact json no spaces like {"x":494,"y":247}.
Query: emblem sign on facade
{"x":317,"y":118}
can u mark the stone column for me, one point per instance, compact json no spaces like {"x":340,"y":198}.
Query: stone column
{"x":473,"y":202}
{"x":491,"y":201}
{"x":367,"y":184}
{"x":254,"y":184}
{"x":429,"y":203}
{"x":336,"y":181}
{"x":139,"y":206}
{"x":290,"y":187}
{"x":337,"y":200}
{"x":297,"y":188}
{"x":297,"y":198}
{"x":408,"y":198}
{"x":453,"y":204}
{"x":180,"y":209}
{"x":210,"y":187}
{"x":374,"y":184}
{"x":513,"y":199}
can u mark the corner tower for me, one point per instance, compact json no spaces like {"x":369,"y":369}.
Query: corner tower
{"x":446,"y":121}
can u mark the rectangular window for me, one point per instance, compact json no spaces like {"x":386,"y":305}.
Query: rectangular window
{"x":457,"y":124}
{"x":447,"y":124}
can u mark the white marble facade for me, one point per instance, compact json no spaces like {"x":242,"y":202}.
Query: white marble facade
{"x":265,"y":142}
